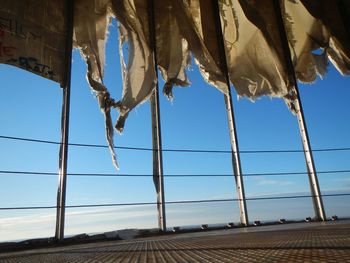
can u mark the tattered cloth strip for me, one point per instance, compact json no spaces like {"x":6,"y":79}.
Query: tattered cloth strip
{"x":172,"y":48}
{"x":33,"y":36}
{"x":91,"y":21}
{"x":139,"y":74}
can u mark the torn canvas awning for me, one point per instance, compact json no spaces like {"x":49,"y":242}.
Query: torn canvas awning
{"x":33,"y":36}
{"x":185,"y":29}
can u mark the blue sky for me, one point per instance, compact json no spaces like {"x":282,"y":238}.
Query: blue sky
{"x":196,"y":119}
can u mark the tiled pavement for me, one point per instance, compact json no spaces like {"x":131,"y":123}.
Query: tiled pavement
{"x":314,"y":242}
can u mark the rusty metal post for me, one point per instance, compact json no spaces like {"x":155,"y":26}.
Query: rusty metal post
{"x":156,"y":127}
{"x":236,"y":162}
{"x":310,"y":164}
{"x":63,"y":154}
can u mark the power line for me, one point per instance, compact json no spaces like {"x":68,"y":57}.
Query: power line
{"x":169,"y":175}
{"x":172,"y":202}
{"x":170,"y":150}
{"x":27,"y":173}
{"x":28,"y":208}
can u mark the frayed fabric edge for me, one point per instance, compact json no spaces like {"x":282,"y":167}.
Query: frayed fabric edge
{"x":105,"y":104}
{"x":169,"y":86}
{"x":119,"y":126}
{"x":109,"y":137}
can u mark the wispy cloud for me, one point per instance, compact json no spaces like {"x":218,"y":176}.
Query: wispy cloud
{"x":89,"y":220}
{"x":273,"y":182}
{"x":26,"y":220}
{"x":116,"y":212}
{"x":345,"y":182}
{"x":77,"y":221}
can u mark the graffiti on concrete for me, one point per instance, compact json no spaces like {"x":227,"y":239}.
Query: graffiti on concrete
{"x":16,"y":28}
{"x":32,"y":64}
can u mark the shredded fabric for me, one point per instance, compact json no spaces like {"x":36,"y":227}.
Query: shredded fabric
{"x":196,"y":22}
{"x":33,"y":33}
{"x":173,"y":56}
{"x":253,"y":47}
{"x":91,"y":21}
{"x":312,"y":26}
{"x":139,"y":72}
{"x":331,"y":16}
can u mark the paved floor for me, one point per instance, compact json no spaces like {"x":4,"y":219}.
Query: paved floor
{"x":311,"y":242}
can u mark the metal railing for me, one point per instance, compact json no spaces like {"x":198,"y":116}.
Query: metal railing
{"x":215,"y":151}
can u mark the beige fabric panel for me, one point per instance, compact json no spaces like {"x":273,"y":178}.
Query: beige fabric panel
{"x":253,"y":47}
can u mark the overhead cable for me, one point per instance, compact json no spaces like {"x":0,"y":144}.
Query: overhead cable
{"x":171,"y":150}
{"x":172,"y":202}
{"x":168,"y":175}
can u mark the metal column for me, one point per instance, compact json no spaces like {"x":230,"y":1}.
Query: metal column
{"x":236,"y":162}
{"x":156,"y":129}
{"x":63,"y":154}
{"x":311,"y":170}
{"x":314,"y":185}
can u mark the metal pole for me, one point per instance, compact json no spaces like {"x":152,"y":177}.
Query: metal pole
{"x":236,"y":162}
{"x":314,"y":185}
{"x":63,"y":154}
{"x":156,"y":128}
